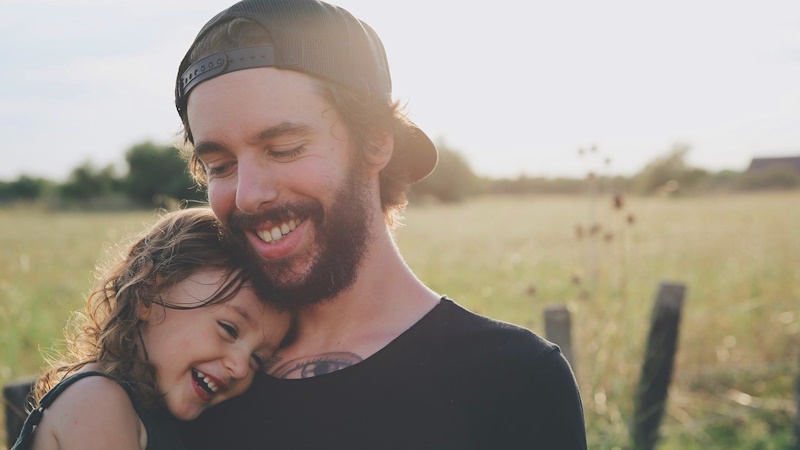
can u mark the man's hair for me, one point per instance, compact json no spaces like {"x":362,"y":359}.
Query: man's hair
{"x":364,"y":117}
{"x":109,"y":332}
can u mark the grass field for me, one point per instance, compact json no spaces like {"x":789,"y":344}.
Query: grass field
{"x":739,"y":348}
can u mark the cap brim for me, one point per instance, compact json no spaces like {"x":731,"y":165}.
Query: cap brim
{"x":416,"y":154}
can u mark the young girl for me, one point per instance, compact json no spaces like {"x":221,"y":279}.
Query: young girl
{"x":171,"y":329}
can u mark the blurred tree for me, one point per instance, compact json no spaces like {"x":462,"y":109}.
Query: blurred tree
{"x":524,"y":184}
{"x":158,"y":175}
{"x":670,"y":171}
{"x":86,"y":183}
{"x":23,"y":188}
{"x":453,"y":179}
{"x":777,"y":178}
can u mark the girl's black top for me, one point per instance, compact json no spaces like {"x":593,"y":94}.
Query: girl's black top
{"x":160,"y":425}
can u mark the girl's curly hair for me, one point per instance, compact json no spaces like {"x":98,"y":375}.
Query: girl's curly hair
{"x":108,"y":333}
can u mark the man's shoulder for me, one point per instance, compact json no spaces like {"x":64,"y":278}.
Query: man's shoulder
{"x":456,"y":327}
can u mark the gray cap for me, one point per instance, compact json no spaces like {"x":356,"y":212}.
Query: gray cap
{"x":321,"y":40}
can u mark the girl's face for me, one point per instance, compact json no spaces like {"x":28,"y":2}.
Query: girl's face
{"x":206,"y":355}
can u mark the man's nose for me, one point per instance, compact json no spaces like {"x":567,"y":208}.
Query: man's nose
{"x":257,"y":185}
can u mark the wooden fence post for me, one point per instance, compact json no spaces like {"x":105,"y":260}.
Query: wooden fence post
{"x":662,"y":343}
{"x":797,"y":413}
{"x":15,"y":398}
{"x":558,"y":330}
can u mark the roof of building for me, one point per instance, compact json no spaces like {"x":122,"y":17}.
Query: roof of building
{"x":792,"y":162}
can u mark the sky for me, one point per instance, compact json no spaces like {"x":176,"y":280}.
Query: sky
{"x":517,"y":87}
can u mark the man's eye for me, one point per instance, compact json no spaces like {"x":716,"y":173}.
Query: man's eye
{"x":229,"y":329}
{"x":288,"y":154}
{"x":219,"y":170}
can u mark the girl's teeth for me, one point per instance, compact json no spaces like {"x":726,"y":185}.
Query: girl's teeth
{"x":208,"y":382}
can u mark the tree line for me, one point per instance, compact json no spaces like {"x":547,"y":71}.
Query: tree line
{"x":157,"y":177}
{"x":667,"y":174}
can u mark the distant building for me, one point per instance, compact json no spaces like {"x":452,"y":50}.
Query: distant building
{"x":784,"y":162}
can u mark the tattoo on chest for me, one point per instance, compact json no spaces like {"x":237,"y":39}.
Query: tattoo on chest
{"x":271,"y":363}
{"x":311,"y":366}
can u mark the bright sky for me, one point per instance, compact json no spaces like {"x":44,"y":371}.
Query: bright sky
{"x":515,"y":86}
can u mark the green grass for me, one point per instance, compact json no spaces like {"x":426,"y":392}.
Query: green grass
{"x":509,"y":258}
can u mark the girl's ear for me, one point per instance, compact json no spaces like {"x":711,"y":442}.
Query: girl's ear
{"x":145,"y":308}
{"x":143,"y":311}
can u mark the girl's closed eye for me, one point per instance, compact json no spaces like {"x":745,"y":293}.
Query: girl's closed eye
{"x":229,"y":329}
{"x":258,"y":362}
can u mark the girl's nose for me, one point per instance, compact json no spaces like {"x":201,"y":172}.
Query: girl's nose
{"x":238,"y":364}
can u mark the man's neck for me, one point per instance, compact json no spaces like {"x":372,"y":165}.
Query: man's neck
{"x":385,"y":301}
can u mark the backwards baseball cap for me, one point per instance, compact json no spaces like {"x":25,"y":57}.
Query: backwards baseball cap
{"x":318,"y":39}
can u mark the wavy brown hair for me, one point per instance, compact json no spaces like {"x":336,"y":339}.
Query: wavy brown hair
{"x":108,"y":333}
{"x":365,"y":117}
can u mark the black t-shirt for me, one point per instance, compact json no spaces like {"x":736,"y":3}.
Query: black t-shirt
{"x":454,"y":380}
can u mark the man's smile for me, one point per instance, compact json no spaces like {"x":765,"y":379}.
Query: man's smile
{"x":276,"y":232}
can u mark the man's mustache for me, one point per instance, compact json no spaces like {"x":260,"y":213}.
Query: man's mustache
{"x":239,"y":221}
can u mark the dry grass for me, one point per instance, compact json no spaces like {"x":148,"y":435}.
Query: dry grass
{"x":740,"y":333}
{"x":511,"y":257}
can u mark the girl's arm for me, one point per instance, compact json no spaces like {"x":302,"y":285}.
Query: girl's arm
{"x":93,"y":414}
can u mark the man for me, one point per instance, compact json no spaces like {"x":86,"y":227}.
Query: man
{"x":287,"y":110}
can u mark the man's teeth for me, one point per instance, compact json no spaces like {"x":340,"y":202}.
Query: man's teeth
{"x":211,"y":386}
{"x":275,"y":233}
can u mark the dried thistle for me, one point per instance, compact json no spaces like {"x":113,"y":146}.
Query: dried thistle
{"x":579,"y":233}
{"x":619,"y":202}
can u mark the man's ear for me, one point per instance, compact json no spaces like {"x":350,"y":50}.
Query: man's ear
{"x":379,"y":150}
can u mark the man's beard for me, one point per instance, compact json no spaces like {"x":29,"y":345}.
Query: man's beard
{"x":341,"y":236}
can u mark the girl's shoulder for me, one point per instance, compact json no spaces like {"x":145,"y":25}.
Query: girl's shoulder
{"x":91,"y":412}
